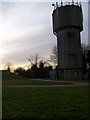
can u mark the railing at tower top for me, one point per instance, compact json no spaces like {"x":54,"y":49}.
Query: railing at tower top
{"x":56,"y":5}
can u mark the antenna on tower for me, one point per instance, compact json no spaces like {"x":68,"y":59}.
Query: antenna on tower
{"x":56,"y":4}
{"x":68,"y":3}
{"x":77,"y":2}
{"x":80,"y":4}
{"x":53,"y":6}
{"x":72,"y":2}
{"x":61,"y":3}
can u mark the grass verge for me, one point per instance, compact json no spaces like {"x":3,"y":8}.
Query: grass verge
{"x":54,"y":103}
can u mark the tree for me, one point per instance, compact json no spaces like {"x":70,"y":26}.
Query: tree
{"x":53,"y":56}
{"x":8,"y":66}
{"x":88,"y":56}
{"x":86,"y":59}
{"x":41,"y":65}
{"x":34,"y":59}
{"x":88,"y":63}
{"x":19,"y":71}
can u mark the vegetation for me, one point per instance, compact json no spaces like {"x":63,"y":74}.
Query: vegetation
{"x":12,"y":79}
{"x":6,"y":75}
{"x":40,"y":68}
{"x":55,"y":103}
{"x":86,"y":62}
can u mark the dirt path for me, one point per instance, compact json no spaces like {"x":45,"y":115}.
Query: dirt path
{"x":72,"y":84}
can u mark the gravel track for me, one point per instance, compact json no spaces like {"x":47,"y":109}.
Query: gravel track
{"x":72,"y":84}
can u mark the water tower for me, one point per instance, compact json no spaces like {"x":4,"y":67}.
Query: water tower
{"x":67,"y":25}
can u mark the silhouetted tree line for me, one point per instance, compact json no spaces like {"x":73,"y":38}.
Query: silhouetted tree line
{"x":35,"y":71}
{"x":86,"y":61}
{"x":41,"y":69}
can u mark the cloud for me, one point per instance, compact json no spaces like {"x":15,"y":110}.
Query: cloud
{"x":84,"y":34}
{"x":40,"y":0}
{"x":26,"y":28}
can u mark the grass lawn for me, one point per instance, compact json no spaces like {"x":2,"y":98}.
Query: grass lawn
{"x":68,"y":103}
{"x":25,"y":81}
{"x":12,"y":79}
{"x":58,"y":103}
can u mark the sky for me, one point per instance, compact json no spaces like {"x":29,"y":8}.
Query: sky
{"x":26,"y":29}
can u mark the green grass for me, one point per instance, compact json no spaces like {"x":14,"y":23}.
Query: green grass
{"x":12,"y":79}
{"x":11,"y":76}
{"x":67,"y":103}
{"x":58,"y":103}
{"x":17,"y":80}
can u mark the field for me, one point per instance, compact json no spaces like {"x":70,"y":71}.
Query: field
{"x":59,"y":103}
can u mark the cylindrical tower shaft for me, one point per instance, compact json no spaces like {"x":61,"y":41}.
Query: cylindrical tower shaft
{"x":67,"y":25}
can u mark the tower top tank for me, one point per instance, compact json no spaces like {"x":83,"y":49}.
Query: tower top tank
{"x":67,"y":16}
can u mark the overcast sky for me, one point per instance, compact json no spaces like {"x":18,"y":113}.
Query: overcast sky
{"x":26,"y":29}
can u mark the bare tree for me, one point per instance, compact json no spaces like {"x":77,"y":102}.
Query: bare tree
{"x":45,"y":62}
{"x":8,"y":66}
{"x":85,"y":46}
{"x":85,"y":58}
{"x":37,"y":60}
{"x":53,"y":56}
{"x":34,"y":59}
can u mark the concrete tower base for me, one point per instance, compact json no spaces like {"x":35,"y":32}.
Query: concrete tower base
{"x":70,"y":74}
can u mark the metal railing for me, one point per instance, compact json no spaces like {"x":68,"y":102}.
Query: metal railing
{"x":56,"y":5}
